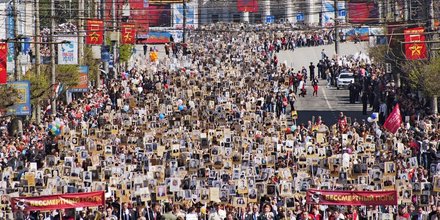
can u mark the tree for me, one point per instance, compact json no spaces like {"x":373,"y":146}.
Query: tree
{"x":378,"y":54}
{"x":431,"y":78}
{"x":7,"y":96}
{"x":41,"y":86}
{"x":92,"y":63}
{"x":125,"y":52}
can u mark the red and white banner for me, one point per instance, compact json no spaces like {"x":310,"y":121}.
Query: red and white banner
{"x":394,"y":120}
{"x":62,"y":201}
{"x":3,"y":63}
{"x":95,"y":32}
{"x":415,"y":48}
{"x":128,"y":34}
{"x":359,"y":198}
{"x":247,"y":6}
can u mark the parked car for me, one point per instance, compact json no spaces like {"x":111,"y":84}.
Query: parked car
{"x":344,"y":79}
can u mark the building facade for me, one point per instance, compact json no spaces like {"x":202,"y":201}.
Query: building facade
{"x":295,"y":11}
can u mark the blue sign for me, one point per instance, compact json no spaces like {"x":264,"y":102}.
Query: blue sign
{"x":22,"y":105}
{"x":105,"y":53}
{"x":342,"y":13}
{"x":178,"y":15}
{"x":270,"y":19}
{"x":26,"y":45}
{"x":300,"y":16}
{"x":10,"y":34}
{"x":110,"y":62}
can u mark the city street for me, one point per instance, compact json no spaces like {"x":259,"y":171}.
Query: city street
{"x":330,"y":101}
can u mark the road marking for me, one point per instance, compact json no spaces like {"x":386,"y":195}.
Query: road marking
{"x":326,"y":99}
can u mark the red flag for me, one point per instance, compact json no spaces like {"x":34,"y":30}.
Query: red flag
{"x":394,"y":120}
{"x":128,"y":34}
{"x":247,"y":5}
{"x":95,"y":32}
{"x":3,"y":63}
{"x":414,"y":48}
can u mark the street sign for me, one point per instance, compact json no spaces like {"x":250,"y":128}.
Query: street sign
{"x":342,"y":13}
{"x":105,"y":53}
{"x":270,"y":19}
{"x":300,"y":16}
{"x":388,"y":67}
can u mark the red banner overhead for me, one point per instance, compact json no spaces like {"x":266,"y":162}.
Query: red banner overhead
{"x":415,"y":48}
{"x":95,"y":32}
{"x":359,"y":198}
{"x":62,"y":201}
{"x":128,"y":34}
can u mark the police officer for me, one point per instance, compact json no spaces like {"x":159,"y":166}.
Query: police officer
{"x":351,"y":89}
{"x":364,"y":102}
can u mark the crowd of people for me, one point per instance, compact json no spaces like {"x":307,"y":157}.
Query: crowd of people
{"x":208,"y":134}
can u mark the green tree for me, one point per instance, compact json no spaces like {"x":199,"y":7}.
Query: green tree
{"x":125,"y":52}
{"x":7,"y":96}
{"x":431,"y":78}
{"x":92,"y":63}
{"x":41,"y":86}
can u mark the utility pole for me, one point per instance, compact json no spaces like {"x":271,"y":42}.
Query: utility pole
{"x":336,"y":27}
{"x":98,"y":79}
{"x":52,"y":56}
{"x":37,"y":51}
{"x":184,"y":22}
{"x":432,"y":52}
{"x":115,"y":31}
{"x":80,"y":32}
{"x":17,"y":67}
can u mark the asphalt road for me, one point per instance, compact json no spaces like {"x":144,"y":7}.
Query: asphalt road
{"x":329,"y":102}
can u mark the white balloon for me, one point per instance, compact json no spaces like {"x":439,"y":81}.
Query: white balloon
{"x":369,"y":119}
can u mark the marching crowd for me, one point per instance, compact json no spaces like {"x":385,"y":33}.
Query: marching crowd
{"x":209,"y":135}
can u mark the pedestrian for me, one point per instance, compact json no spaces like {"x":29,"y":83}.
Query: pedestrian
{"x":312,"y":71}
{"x":167,"y":50}
{"x":145,"y":49}
{"x":315,"y":86}
{"x":302,"y":87}
{"x":364,"y":102}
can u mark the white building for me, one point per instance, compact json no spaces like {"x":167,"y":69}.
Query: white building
{"x":307,"y":11}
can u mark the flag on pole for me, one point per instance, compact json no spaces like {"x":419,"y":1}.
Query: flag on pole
{"x":394,"y":120}
{"x":58,"y":89}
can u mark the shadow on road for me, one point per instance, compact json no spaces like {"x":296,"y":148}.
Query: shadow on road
{"x":329,"y":117}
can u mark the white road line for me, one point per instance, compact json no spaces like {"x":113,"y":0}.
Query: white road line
{"x":326,"y":99}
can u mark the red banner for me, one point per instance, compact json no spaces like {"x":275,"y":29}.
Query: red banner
{"x":3,"y":63}
{"x":359,"y":198}
{"x":394,"y":120}
{"x":95,"y":32}
{"x":363,"y":12}
{"x":128,"y":34}
{"x":414,"y":48}
{"x":247,"y":5}
{"x":62,"y":201}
